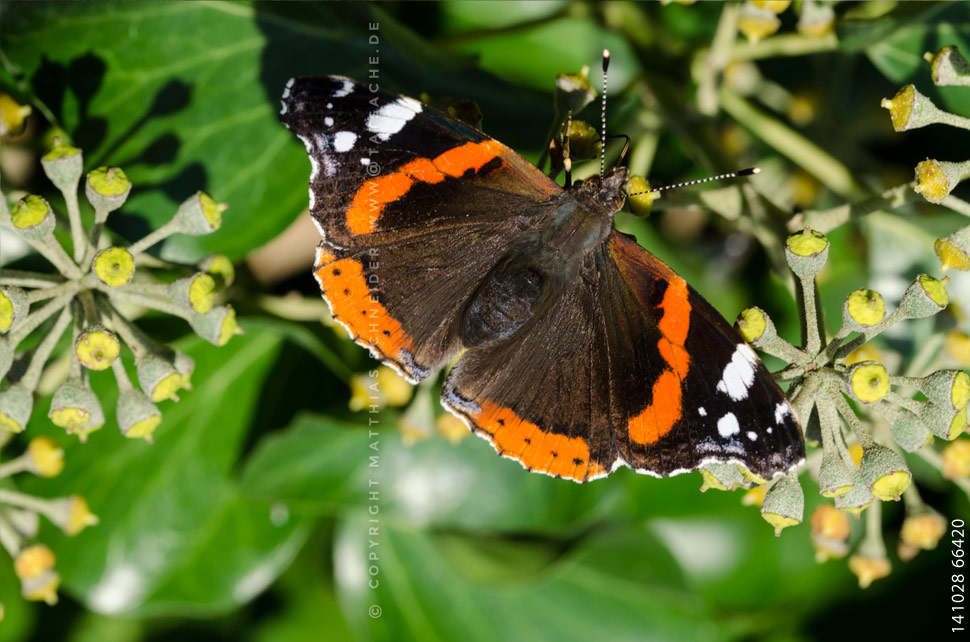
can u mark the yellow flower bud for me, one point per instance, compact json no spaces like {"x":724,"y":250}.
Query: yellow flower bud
{"x":45,"y":457}
{"x":97,"y":348}
{"x":868,"y":381}
{"x":114,"y":266}
{"x":451,"y":427}
{"x":956,"y":459}
{"x":869,"y":569}
{"x":923,"y":531}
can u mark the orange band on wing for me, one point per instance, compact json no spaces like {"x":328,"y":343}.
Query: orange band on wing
{"x":374,"y":195}
{"x":541,"y":451}
{"x":345,"y":287}
{"x":666,"y":406}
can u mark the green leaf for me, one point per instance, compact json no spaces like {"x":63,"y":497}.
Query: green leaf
{"x":318,"y":464}
{"x":623,"y":582}
{"x":175,"y":536}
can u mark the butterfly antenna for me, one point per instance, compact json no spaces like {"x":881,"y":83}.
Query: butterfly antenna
{"x":606,"y":65}
{"x":744,"y":172}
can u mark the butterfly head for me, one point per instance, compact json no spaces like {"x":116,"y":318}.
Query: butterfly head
{"x":607,"y":190}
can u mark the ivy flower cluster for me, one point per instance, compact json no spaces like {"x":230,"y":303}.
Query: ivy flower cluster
{"x":936,"y":179}
{"x":863,"y":417}
{"x":87,"y":296}
{"x":20,"y":515}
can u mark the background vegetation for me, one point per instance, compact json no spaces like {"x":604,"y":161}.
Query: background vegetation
{"x":247,"y":519}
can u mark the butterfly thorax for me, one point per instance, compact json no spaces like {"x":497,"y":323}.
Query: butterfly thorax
{"x":545,"y":261}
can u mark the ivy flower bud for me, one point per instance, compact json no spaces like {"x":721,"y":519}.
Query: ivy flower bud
{"x":584,"y":143}
{"x":76,"y":409}
{"x":107,"y":189}
{"x":394,"y":387}
{"x":720,"y":476}
{"x":936,"y":179}
{"x":944,"y":423}
{"x":954,"y":250}
{"x":956,"y":344}
{"x":830,"y":530}
{"x":909,"y":431}
{"x":573,"y":92}
{"x":774,"y":6}
{"x":451,"y":427}
{"x":13,"y":116}
{"x":196,"y":292}
{"x":755,"y":496}
{"x":33,"y":217}
{"x":217,"y":325}
{"x":863,"y":309}
{"x":114,"y":266}
{"x":947,"y":388}
{"x":784,"y":503}
{"x":185,"y":366}
{"x":641,"y":203}
{"x":34,"y":565}
{"x":956,"y":459}
{"x":13,"y":307}
{"x":138,"y":417}
{"x":71,"y":514}
{"x":756,"y":22}
{"x":158,"y":378}
{"x":924,"y":297}
{"x":816,"y":19}
{"x":868,"y":381}
{"x":869,"y":569}
{"x":97,"y":348}
{"x":220,"y":267}
{"x":756,"y":327}
{"x":16,"y":404}
{"x":949,"y":67}
{"x":857,"y":499}
{"x":923,"y":530}
{"x":63,"y":165}
{"x":44,"y":457}
{"x":834,"y":476}
{"x":885,"y":472}
{"x":910,"y":109}
{"x":199,"y":214}
{"x":806,"y":252}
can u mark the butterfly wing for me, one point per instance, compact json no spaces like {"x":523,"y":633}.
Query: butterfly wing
{"x":617,"y":373}
{"x":414,"y":208}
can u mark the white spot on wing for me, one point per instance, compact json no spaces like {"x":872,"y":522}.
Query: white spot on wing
{"x":328,"y":121}
{"x":702,"y":411}
{"x":728,"y":425}
{"x":738,"y":375}
{"x":752,"y":435}
{"x":365,"y":162}
{"x":344,"y":90}
{"x":344,"y":141}
{"x":391,"y":118}
{"x":782,"y":410}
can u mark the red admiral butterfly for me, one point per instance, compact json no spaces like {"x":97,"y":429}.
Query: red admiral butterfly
{"x":580,"y":351}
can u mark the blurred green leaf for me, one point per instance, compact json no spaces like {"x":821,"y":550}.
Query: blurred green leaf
{"x":623,"y":583}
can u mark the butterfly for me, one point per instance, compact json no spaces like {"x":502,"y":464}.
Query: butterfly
{"x":578,"y":351}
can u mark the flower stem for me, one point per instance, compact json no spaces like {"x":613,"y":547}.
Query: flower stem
{"x":34,"y":319}
{"x":55,"y":254}
{"x":44,"y":349}
{"x":25,"y":279}
{"x":121,"y":294}
{"x":957,"y":205}
{"x":78,"y":238}
{"x":14,"y":466}
{"x":42,"y":294}
{"x":154,"y":237}
{"x":9,"y":538}
{"x":13,"y":498}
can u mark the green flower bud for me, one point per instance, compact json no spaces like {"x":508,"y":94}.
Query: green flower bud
{"x":641,"y":201}
{"x":944,"y":423}
{"x":885,"y":472}
{"x":114,"y":266}
{"x":6,"y":356}
{"x":138,"y":417}
{"x":756,"y":23}
{"x":16,"y":404}
{"x":910,"y":109}
{"x":185,"y":366}
{"x":76,"y":409}
{"x":857,"y":499}
{"x":107,"y":188}
{"x":909,"y":431}
{"x":924,"y":297}
{"x":949,"y":67}
{"x":806,"y":252}
{"x":33,"y":217}
{"x":784,"y":503}
{"x":216,"y":326}
{"x":936,"y":179}
{"x":13,"y":116}
{"x":863,"y":309}
{"x":721,"y":476}
{"x":195,"y":292}
{"x":816,"y":19}
{"x":220,"y":267}
{"x":63,"y":165}
{"x":573,"y":92}
{"x":954,"y":250}
{"x":756,"y":327}
{"x":13,"y":307}
{"x":584,"y":141}
{"x":199,"y":214}
{"x":71,"y":514}
{"x":159,"y":378}
{"x":97,"y":348}
{"x":867,"y":381}
{"x":948,"y":389}
{"x":835,"y":478}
